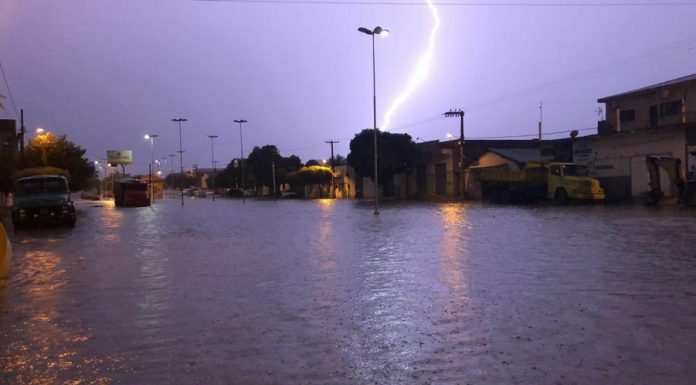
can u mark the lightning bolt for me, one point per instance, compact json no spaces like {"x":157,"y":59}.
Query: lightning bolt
{"x":420,"y":73}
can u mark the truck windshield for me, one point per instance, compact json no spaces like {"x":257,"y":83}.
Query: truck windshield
{"x":575,"y":170}
{"x":42,"y":186}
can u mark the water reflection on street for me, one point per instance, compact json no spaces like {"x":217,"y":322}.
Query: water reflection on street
{"x":324,"y":292}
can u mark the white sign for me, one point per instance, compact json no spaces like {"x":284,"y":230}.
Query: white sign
{"x":119,"y":156}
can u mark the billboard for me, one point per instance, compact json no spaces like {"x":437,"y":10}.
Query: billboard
{"x":115,"y":157}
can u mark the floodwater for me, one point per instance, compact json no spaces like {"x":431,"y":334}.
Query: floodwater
{"x":324,"y":292}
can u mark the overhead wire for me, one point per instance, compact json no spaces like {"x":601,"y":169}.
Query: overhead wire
{"x":575,"y":4}
{"x":9,"y":91}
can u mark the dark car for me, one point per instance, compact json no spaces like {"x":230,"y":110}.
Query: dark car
{"x":42,"y":199}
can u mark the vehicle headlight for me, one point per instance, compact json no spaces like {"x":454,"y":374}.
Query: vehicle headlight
{"x":65,"y":208}
{"x":22,"y":212}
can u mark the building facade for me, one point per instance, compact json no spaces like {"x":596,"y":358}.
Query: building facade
{"x":657,"y":120}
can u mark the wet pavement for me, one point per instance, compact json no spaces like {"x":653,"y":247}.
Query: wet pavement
{"x":323,"y":292}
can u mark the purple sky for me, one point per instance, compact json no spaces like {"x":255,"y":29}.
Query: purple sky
{"x":106,"y":72}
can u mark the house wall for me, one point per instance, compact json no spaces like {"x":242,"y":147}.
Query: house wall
{"x":491,"y":159}
{"x":618,"y":161}
{"x":346,"y":185}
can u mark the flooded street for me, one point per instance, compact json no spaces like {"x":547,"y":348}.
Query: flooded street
{"x":323,"y":292}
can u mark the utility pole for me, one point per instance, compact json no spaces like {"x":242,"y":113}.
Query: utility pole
{"x":460,"y":114}
{"x":22,"y":131}
{"x":541,"y":119}
{"x":274,"y":180}
{"x":333,"y":169}
{"x":241,"y":144}
{"x":212,"y":152}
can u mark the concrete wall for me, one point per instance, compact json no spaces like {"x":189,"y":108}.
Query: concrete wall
{"x":618,"y":161}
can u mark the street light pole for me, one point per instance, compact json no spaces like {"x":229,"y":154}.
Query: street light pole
{"x":241,"y":144}
{"x":376,"y":31}
{"x":151,"y":137}
{"x":181,"y":158}
{"x":460,"y":114}
{"x":212,"y":155}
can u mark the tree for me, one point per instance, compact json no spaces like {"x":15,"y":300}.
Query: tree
{"x":340,"y":160}
{"x":311,"y":175}
{"x":395,"y":154}
{"x":48,"y":150}
{"x":260,"y":163}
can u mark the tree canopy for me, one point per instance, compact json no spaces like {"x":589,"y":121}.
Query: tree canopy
{"x":395,"y":153}
{"x":258,"y":168}
{"x":311,"y":175}
{"x":48,"y":150}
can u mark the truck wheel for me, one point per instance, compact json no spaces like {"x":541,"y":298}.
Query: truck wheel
{"x":561,"y":196}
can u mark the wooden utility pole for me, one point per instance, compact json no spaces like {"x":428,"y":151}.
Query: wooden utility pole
{"x":333,"y":170}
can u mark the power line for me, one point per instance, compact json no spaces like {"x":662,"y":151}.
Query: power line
{"x":529,"y":135}
{"x":9,"y":91}
{"x":466,"y":4}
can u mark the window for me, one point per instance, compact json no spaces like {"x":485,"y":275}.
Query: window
{"x":670,"y":108}
{"x":555,"y":170}
{"x":575,"y":170}
{"x":628,"y":116}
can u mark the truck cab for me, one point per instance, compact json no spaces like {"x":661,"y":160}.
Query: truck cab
{"x":42,"y":199}
{"x":572,"y":181}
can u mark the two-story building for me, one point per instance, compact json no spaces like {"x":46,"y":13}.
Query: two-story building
{"x":658,"y":120}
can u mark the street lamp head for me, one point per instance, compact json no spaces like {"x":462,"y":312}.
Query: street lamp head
{"x":147,"y":136}
{"x":40,"y":130}
{"x":240,"y":121}
{"x":212,"y":136}
{"x":365,"y":30}
{"x":180,"y":120}
{"x":377,"y":31}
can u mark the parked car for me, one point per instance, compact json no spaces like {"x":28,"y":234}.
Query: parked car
{"x":288,"y":194}
{"x":42,"y":199}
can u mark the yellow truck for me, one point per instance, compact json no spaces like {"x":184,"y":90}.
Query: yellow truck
{"x":540,"y":180}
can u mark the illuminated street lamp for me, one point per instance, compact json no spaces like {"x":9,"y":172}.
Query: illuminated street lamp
{"x":151,"y":138}
{"x":241,"y":144}
{"x":40,"y":131}
{"x":384,"y":32}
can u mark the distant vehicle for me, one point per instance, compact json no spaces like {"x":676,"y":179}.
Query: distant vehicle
{"x":538,"y":180}
{"x":250,"y":192}
{"x":42,"y":199}
{"x":200,"y":194}
{"x":130,"y":193}
{"x":92,"y":195}
{"x":288,"y":194}
{"x":188,"y":192}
